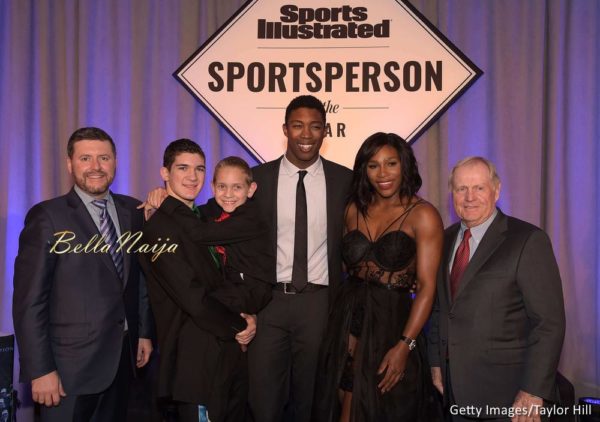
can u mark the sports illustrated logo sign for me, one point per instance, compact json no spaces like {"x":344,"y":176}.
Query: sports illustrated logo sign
{"x":376,"y":65}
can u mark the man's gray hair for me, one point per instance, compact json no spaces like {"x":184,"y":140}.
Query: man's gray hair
{"x":474,"y":160}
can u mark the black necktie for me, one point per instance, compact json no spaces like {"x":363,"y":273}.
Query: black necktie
{"x":300,"y":267}
{"x":109,"y":233}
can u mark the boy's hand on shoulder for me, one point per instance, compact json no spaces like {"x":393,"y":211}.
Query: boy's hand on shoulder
{"x":153,"y":201}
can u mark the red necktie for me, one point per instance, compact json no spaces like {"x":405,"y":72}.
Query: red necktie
{"x":221,"y":249}
{"x":461,"y":260}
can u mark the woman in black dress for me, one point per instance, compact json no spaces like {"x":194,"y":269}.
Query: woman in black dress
{"x":373,"y":364}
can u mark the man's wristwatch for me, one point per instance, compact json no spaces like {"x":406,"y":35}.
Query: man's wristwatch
{"x":412,"y":343}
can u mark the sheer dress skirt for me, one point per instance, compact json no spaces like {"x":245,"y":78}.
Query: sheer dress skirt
{"x":374,"y":314}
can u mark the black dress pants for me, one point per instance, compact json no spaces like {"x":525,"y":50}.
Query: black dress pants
{"x":284,"y":354}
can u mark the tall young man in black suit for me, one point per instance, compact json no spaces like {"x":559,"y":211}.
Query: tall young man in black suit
{"x":81,"y":319}
{"x":306,"y":246}
{"x":498,"y":324}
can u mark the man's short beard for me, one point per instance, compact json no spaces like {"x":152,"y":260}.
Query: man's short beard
{"x":95,"y":190}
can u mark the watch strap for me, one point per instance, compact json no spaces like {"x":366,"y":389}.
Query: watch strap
{"x":412,"y":343}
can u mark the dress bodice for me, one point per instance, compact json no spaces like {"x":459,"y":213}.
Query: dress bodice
{"x":389,"y":259}
{"x":391,"y":252}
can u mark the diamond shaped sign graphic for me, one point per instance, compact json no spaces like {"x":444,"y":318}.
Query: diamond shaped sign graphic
{"x":378,"y":66}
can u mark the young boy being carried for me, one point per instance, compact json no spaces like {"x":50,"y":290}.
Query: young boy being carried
{"x":244,"y":263}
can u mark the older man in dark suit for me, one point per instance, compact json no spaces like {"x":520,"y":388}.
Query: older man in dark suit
{"x":304,"y":196}
{"x":498,"y":324}
{"x":80,"y":313}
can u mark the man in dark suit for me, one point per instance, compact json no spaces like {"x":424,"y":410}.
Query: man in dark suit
{"x":81,"y":316}
{"x":304,"y":196}
{"x":201,"y":365}
{"x":498,"y":324}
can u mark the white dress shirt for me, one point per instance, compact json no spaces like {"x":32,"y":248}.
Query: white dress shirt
{"x":316,"y":204}
{"x":477,"y":234}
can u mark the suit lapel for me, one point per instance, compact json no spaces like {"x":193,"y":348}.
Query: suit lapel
{"x":272,"y":193}
{"x":330,"y":202}
{"x":493,"y":237}
{"x":83,"y":220}
{"x":125,"y":224}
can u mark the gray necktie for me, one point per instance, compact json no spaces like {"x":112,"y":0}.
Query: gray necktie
{"x":109,"y":233}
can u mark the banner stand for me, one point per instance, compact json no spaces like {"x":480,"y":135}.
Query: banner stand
{"x":8,"y":396}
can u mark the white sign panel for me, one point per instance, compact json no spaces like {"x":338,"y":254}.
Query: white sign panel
{"x":376,"y":65}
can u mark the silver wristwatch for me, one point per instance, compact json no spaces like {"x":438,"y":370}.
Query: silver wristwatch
{"x":412,"y":343}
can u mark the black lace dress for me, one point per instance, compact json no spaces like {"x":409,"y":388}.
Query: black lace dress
{"x":368,"y":318}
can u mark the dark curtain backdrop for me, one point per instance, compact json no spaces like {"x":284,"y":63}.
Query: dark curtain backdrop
{"x":535,"y":112}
